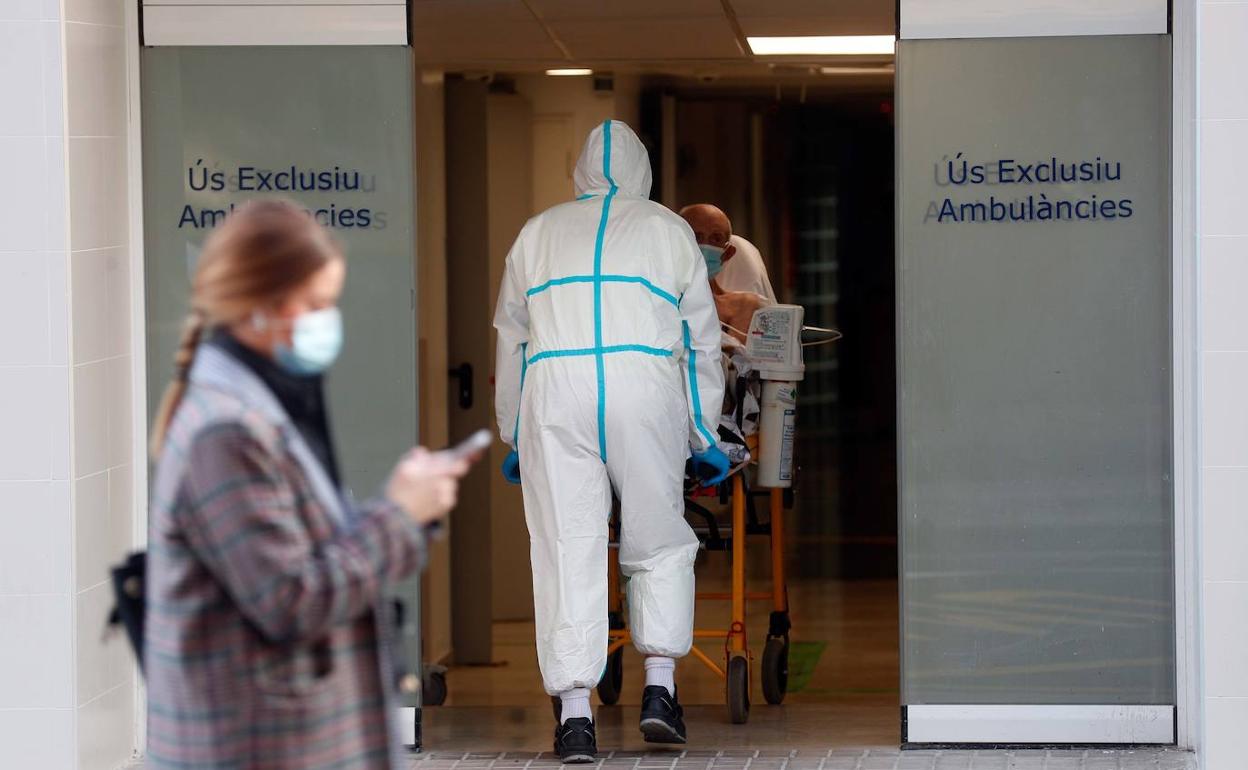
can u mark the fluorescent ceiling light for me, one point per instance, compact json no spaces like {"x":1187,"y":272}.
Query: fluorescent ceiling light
{"x":570,"y":72}
{"x":827,"y":45}
{"x":885,"y":70}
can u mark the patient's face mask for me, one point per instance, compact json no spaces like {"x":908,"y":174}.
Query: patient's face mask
{"x":714,"y":256}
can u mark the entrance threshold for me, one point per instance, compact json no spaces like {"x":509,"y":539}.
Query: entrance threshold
{"x":1014,"y":725}
{"x":848,"y":758}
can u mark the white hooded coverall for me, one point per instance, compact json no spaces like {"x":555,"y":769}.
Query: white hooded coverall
{"x":607,"y":375}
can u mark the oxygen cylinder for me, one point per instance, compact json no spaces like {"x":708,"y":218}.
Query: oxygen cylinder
{"x":776,"y":429}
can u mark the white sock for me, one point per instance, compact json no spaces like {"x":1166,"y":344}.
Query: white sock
{"x":661,"y":671}
{"x":575,"y":704}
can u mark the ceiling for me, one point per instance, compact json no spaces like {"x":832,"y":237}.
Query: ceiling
{"x":680,"y":37}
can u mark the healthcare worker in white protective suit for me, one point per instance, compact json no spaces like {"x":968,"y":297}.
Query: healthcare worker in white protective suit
{"x":608,"y":377}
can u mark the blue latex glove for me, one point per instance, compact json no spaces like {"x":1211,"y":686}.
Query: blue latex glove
{"x":711,"y":466}
{"x":511,"y":467}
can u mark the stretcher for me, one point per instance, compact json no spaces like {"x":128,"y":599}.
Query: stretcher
{"x":760,"y":413}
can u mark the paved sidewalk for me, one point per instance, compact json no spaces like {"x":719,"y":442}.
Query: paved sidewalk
{"x":832,"y":759}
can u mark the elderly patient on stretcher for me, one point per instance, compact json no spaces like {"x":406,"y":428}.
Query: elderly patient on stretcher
{"x":740,"y":286}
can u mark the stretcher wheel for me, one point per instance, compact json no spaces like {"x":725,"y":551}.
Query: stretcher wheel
{"x":435,"y":689}
{"x":775,"y":673}
{"x":738,"y":689}
{"x":612,"y":682}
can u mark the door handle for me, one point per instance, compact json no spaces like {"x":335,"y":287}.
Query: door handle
{"x":463,"y":373}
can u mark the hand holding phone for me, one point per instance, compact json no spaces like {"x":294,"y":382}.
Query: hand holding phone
{"x":470,"y":450}
{"x":425,"y":485}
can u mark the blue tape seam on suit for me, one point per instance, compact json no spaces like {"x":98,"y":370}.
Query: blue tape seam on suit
{"x":608,"y":350}
{"x":602,"y":233}
{"x":572,"y":279}
{"x":693,"y":385}
{"x":524,"y":369}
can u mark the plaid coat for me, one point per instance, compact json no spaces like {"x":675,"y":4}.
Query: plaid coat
{"x":263,"y":646}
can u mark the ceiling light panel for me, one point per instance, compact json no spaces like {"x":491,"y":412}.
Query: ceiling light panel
{"x":823,"y":45}
{"x":889,"y":70}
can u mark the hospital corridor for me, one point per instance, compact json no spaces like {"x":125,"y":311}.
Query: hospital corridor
{"x":797,"y":163}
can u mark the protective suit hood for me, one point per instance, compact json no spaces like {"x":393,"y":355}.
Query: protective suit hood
{"x":627,"y":166}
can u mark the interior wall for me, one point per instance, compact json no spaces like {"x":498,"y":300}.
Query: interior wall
{"x":509,"y":139}
{"x":554,"y":158}
{"x":432,"y":355}
{"x":468,"y":341}
{"x":575,"y":99}
{"x":713,"y":160}
{"x":628,"y":100}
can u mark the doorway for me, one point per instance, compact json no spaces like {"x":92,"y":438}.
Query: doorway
{"x":802,"y":164}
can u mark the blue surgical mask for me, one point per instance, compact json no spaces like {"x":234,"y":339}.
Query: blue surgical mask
{"x":714,"y":256}
{"x":316,"y":340}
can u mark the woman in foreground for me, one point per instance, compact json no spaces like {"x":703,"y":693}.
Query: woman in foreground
{"x":266,"y":637}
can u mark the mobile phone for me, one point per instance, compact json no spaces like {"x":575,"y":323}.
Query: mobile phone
{"x":472,"y":446}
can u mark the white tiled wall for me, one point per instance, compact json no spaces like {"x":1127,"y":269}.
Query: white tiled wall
{"x":66,"y":497}
{"x":37,"y":714}
{"x":99,"y":313}
{"x":1223,"y":302}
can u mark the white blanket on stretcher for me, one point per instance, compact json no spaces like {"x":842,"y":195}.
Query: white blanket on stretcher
{"x":738,"y":419}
